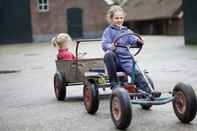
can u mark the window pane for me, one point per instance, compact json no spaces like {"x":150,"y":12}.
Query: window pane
{"x":45,"y":1}
{"x":40,"y":7}
{"x":40,"y":1}
{"x":45,"y":7}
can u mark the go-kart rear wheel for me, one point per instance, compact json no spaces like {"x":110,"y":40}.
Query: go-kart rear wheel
{"x":59,"y":86}
{"x":185,"y":103}
{"x":120,"y":108}
{"x":91,"y":96}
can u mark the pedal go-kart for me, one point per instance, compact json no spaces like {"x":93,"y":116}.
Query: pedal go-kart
{"x":183,"y":97}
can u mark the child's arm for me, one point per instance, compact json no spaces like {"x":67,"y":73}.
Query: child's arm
{"x":134,"y":40}
{"x":107,"y":41}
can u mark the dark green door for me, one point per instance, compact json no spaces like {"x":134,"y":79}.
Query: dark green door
{"x":15,"y":21}
{"x":74,"y":21}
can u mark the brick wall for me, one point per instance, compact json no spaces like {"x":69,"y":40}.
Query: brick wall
{"x":45,"y":25}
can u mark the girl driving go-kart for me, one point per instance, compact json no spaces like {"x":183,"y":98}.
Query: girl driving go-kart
{"x":115,"y":39}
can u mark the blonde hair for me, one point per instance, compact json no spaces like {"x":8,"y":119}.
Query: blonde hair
{"x":59,"y":40}
{"x":112,"y":10}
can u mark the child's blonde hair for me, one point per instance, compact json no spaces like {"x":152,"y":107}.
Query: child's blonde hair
{"x":59,"y":40}
{"x":112,"y":10}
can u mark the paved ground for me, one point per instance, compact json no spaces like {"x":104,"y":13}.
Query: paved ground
{"x":27,"y":101}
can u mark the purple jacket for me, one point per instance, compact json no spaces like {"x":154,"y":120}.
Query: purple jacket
{"x":109,"y":35}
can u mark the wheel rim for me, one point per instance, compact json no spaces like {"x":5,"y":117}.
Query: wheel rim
{"x":56,"y":85}
{"x":87,"y":95}
{"x":116,"y":108}
{"x":180,"y":102}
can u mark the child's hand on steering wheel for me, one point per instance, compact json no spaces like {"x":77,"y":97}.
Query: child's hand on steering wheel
{"x":140,"y":42}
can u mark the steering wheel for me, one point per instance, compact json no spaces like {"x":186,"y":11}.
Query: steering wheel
{"x":139,"y":48}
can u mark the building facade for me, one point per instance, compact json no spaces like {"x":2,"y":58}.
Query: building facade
{"x":155,"y":17}
{"x":80,"y":18}
{"x":40,"y":20}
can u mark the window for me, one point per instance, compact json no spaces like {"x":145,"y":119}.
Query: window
{"x":43,"y":5}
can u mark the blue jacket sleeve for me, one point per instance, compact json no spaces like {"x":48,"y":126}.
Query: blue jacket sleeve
{"x":106,"y":40}
{"x":132,"y":40}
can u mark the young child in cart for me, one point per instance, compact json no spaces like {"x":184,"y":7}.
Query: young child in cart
{"x":118,"y":59}
{"x":61,"y":41}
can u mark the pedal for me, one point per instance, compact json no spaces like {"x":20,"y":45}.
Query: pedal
{"x":156,"y":94}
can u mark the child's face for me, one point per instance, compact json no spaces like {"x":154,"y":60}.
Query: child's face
{"x":118,"y":18}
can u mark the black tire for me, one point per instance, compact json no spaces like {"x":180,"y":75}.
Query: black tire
{"x":148,"y":106}
{"x":120,"y":108}
{"x":59,"y":86}
{"x":185,"y":103}
{"x":91,"y":96}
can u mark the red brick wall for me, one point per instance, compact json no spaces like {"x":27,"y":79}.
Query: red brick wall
{"x":55,"y":20}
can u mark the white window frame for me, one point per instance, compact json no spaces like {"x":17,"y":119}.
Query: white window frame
{"x":42,"y":5}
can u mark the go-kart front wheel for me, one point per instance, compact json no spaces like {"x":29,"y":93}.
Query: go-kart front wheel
{"x":120,"y":108}
{"x":90,"y":96}
{"x":185,"y":103}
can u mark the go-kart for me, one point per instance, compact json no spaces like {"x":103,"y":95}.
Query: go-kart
{"x":183,"y":97}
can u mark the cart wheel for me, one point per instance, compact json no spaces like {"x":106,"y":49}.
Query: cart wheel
{"x":120,"y":108}
{"x":185,"y":103}
{"x":59,"y":87}
{"x":90,"y":97}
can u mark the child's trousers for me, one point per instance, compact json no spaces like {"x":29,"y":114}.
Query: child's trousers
{"x":114,"y":65}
